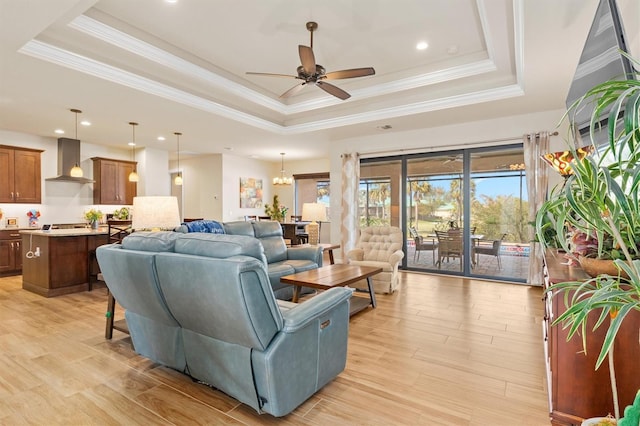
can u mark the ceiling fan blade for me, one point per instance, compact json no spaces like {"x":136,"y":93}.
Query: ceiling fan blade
{"x":351,"y":73}
{"x":333,"y":90}
{"x":293,"y":90}
{"x":307,"y":59}
{"x":267,"y":74}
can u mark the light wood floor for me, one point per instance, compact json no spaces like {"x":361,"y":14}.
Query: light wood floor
{"x":440,"y":351}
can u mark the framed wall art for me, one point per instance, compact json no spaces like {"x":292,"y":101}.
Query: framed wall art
{"x":12,"y":222}
{"x":250,"y":193}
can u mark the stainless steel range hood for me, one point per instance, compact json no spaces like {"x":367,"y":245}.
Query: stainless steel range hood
{"x":68,"y":156}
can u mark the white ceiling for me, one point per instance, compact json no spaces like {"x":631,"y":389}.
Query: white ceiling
{"x":181,"y":67}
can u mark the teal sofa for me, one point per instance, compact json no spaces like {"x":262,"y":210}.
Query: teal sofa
{"x":281,"y":260}
{"x":203,"y":304}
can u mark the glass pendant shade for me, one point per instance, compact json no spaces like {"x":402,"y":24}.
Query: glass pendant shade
{"x":76,"y":171}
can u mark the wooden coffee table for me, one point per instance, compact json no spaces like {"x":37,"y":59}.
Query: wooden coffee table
{"x":338,"y":275}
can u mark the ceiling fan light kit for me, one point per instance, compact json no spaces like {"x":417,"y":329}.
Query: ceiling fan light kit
{"x":311,"y":72}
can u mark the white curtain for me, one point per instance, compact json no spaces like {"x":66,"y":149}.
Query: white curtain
{"x":535,"y":144}
{"x":350,"y":215}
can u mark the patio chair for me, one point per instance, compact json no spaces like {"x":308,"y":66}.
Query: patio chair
{"x":449,"y":245}
{"x":489,"y":248}
{"x":421,"y":244}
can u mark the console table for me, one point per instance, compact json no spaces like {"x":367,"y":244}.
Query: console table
{"x":576,"y":390}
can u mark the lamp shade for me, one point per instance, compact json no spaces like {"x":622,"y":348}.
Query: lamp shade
{"x":314,"y":212}
{"x":156,"y":212}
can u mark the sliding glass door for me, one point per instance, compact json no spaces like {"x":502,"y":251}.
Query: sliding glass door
{"x":379,"y":196}
{"x":462,"y":212}
{"x":500,"y":210}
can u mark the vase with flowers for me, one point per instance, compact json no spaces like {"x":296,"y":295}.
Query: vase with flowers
{"x":276,"y":211}
{"x":33,"y":216}
{"x":93,"y":216}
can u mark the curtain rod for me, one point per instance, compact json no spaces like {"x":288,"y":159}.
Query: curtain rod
{"x":439,"y":147}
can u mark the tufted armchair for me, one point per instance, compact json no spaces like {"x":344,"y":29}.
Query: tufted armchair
{"x":379,"y":246}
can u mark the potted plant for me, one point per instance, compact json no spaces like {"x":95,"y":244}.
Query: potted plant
{"x":121,"y":214}
{"x":597,"y":210}
{"x":276,"y":211}
{"x":93,"y":216}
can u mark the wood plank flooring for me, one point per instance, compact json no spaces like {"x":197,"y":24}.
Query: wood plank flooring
{"x":440,"y":351}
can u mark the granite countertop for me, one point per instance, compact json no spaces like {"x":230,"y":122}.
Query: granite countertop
{"x":67,"y":232}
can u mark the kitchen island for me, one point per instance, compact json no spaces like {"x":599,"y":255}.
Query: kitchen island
{"x":56,"y":262}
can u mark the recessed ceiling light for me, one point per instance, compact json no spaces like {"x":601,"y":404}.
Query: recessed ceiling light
{"x":131,"y":144}
{"x":85,"y":123}
{"x":254,"y":156}
{"x":160,"y":138}
{"x":228,"y":148}
{"x":422,"y":45}
{"x":452,"y":50}
{"x":59,"y":131}
{"x":171,"y":1}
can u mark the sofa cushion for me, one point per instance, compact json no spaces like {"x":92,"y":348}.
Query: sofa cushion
{"x":280,"y":269}
{"x":220,"y":246}
{"x":151,"y":241}
{"x":386,"y":266}
{"x":239,"y":228}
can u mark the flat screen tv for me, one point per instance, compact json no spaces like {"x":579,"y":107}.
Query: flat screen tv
{"x":600,"y":61}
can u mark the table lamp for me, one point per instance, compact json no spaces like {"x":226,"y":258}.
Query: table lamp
{"x":314,"y":212}
{"x":155,"y":213}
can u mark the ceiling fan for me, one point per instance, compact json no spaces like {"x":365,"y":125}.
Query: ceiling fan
{"x":453,"y":159}
{"x":310,"y":72}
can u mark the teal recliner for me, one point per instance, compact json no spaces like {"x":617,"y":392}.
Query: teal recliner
{"x":204,"y":305}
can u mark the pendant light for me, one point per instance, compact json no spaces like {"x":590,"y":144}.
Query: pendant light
{"x":76,"y":171}
{"x":178,"y":179}
{"x":133,"y":176}
{"x":282,"y":179}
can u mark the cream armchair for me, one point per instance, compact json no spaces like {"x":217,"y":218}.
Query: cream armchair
{"x":379,"y":246}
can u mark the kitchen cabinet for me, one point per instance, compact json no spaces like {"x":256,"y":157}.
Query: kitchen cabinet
{"x":576,"y":390}
{"x":112,"y":184}
{"x":10,"y":252}
{"x":20,"y":178}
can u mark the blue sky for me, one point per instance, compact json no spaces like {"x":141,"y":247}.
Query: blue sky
{"x":493,"y":186}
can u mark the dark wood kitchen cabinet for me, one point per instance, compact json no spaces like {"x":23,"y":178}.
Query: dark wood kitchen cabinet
{"x":112,"y":184}
{"x":10,"y":252}
{"x":20,"y":178}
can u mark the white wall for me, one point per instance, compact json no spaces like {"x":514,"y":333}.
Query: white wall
{"x":233,"y":169}
{"x":66,"y":202}
{"x":154,"y":176}
{"x":211,"y":186}
{"x":201,"y":187}
{"x":630,"y":12}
